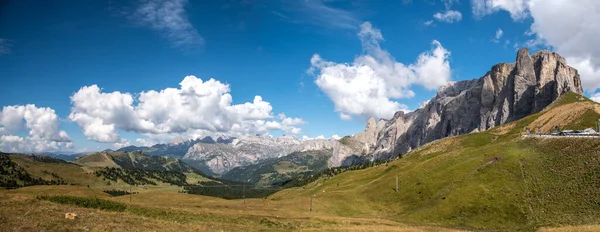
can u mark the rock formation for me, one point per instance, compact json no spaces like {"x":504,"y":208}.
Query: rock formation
{"x":219,"y":158}
{"x":506,"y":93}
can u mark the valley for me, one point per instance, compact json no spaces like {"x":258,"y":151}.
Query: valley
{"x":491,"y":180}
{"x":461,"y":162}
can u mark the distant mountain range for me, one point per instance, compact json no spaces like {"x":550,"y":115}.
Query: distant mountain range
{"x":508,"y":92}
{"x":220,"y":158}
{"x":274,"y":172}
{"x":179,"y":147}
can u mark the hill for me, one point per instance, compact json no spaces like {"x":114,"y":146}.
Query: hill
{"x":494,"y":180}
{"x":273,"y":172}
{"x":491,"y":180}
{"x":133,"y":160}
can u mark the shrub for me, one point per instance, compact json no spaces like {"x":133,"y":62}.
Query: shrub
{"x":86,"y":202}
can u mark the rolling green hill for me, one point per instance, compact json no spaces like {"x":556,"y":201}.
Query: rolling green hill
{"x":492,"y":180}
{"x":279,"y":170}
{"x":496,"y":180}
{"x":113,"y":172}
{"x":133,"y":160}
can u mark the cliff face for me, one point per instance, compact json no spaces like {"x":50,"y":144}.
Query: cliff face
{"x":506,"y":93}
{"x":220,"y":158}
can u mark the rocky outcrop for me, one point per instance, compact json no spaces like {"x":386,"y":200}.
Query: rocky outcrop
{"x":506,"y":93}
{"x":220,"y":158}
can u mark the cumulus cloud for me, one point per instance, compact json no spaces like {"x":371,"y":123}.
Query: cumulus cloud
{"x":498,"y":35}
{"x":144,"y":142}
{"x":195,"y":106}
{"x":596,"y":97}
{"x":573,"y":35}
{"x":169,"y":18}
{"x":516,"y":8}
{"x":345,"y":117}
{"x":42,"y":127}
{"x":423,"y":104}
{"x":335,"y":136}
{"x":368,"y":86}
{"x":122,"y":143}
{"x":449,"y":16}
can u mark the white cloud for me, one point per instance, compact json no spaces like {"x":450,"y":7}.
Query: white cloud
{"x":290,"y":121}
{"x":498,"y":35}
{"x":335,"y":136}
{"x":40,"y":123}
{"x":423,"y":104}
{"x":345,"y":117}
{"x":120,"y":144}
{"x":367,"y":86}
{"x":169,"y":18}
{"x":449,"y":16}
{"x":448,"y":3}
{"x":197,"y":106}
{"x":596,"y":97}
{"x":516,"y":8}
{"x":317,"y":12}
{"x":589,"y":72}
{"x":573,"y":34}
{"x":428,"y":23}
{"x":144,"y":142}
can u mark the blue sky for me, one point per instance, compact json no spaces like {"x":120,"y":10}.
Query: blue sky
{"x":51,"y":50}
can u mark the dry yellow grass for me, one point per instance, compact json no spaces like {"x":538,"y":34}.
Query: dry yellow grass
{"x":504,"y":129}
{"x":588,"y":228}
{"x":562,"y":115}
{"x":20,"y":211}
{"x":97,"y":160}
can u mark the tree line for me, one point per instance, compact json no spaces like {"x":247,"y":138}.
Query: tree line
{"x":12,"y":175}
{"x":141,"y":177}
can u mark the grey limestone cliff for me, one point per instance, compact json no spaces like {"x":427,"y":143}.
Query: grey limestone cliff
{"x":220,"y":158}
{"x":506,"y":93}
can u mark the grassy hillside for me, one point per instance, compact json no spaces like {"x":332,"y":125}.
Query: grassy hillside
{"x":28,"y":170}
{"x":493,"y":180}
{"x":276,"y":171}
{"x":133,"y":160}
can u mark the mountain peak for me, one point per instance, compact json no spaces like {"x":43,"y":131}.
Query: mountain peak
{"x":508,"y":92}
{"x":522,"y":53}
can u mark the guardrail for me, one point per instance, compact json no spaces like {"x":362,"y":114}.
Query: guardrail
{"x":564,"y":135}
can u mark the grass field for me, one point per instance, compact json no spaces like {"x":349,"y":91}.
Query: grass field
{"x":156,"y":211}
{"x":489,"y":181}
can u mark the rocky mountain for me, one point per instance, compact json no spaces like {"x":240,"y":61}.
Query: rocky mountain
{"x":273,"y":172}
{"x":219,"y":158}
{"x":178,"y":147}
{"x":508,"y":92}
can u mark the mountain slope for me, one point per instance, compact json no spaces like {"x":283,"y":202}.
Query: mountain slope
{"x":220,"y":158}
{"x":278,"y":170}
{"x":506,"y":93}
{"x":491,"y":180}
{"x":133,"y":160}
{"x":176,"y":149}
